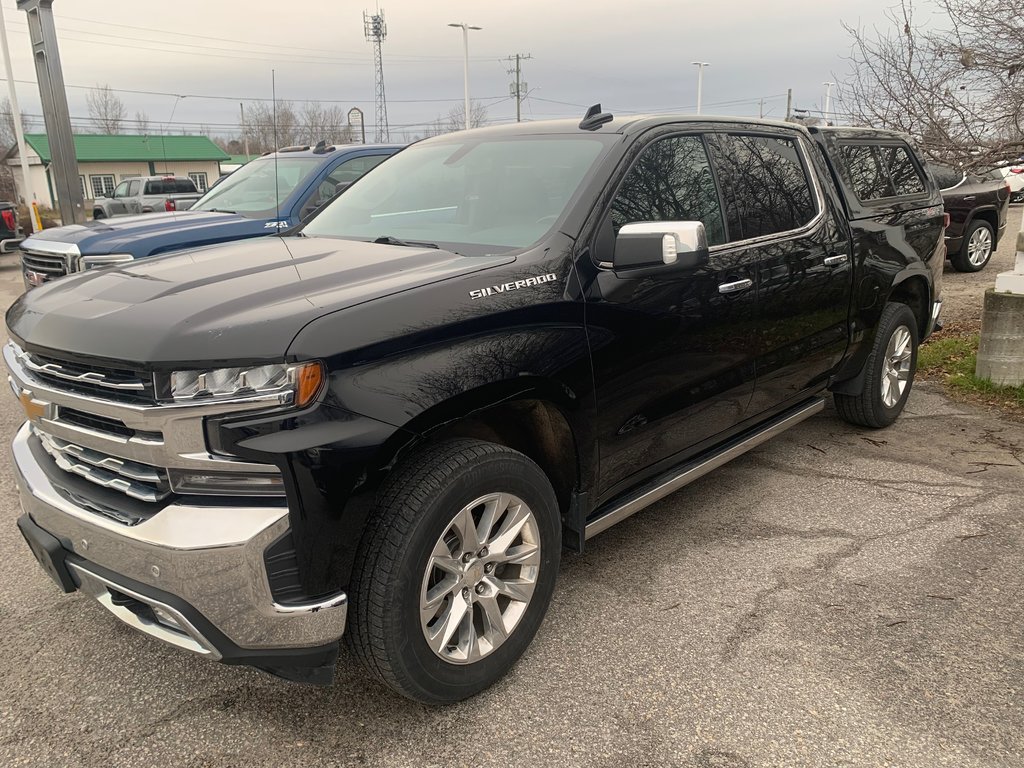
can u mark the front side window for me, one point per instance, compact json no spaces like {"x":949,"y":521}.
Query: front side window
{"x":257,"y":188}
{"x":341,"y":177}
{"x":671,"y":181}
{"x":764,"y":183}
{"x":471,"y":195}
{"x":121,"y":189}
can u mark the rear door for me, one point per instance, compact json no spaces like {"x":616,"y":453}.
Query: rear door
{"x":785,"y":221}
{"x":134,"y":200}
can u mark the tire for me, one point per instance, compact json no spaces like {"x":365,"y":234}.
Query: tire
{"x":98,"y":214}
{"x":977,"y":249}
{"x":876,"y":405}
{"x":412,"y":527}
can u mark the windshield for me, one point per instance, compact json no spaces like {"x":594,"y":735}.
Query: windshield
{"x":479,"y":192}
{"x":250,"y":190}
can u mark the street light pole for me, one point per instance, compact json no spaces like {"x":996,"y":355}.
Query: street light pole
{"x":828,"y":99}
{"x":700,"y":80}
{"x":465,"y":48}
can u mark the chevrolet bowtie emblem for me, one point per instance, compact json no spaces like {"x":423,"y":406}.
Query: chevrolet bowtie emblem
{"x":34,"y":410}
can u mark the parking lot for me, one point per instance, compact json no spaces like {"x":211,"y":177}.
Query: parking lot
{"x":837,"y":597}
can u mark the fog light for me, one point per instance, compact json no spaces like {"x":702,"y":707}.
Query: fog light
{"x":221,"y":483}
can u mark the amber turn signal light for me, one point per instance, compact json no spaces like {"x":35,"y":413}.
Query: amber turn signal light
{"x":310,"y":380}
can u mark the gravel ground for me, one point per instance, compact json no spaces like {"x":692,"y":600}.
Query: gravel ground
{"x":837,"y":597}
{"x":962,"y":292}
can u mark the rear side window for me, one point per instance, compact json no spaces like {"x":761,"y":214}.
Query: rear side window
{"x":946,"y":176}
{"x":879,"y":171}
{"x":765,"y":185}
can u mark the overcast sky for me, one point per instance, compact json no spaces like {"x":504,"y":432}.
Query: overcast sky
{"x":630,"y":55}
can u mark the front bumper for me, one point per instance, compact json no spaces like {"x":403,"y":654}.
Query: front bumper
{"x":193,"y":575}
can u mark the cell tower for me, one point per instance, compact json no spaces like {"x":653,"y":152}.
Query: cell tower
{"x":376,"y":32}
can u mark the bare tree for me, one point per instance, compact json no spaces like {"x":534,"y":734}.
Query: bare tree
{"x":957,"y":87}
{"x":260,"y":124}
{"x":8,"y":137}
{"x":106,"y":111}
{"x":142,"y":123}
{"x":330,"y":124}
{"x":456,"y":120}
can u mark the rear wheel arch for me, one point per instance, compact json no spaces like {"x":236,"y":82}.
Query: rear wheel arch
{"x":914,"y":291}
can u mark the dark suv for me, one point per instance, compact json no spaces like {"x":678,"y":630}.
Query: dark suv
{"x":977,"y":207}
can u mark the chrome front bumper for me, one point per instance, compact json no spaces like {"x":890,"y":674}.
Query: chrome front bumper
{"x":209,"y":557}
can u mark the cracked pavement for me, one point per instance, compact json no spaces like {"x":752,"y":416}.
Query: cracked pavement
{"x":837,"y":597}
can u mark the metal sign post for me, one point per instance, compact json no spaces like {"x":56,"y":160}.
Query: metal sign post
{"x":63,"y":163}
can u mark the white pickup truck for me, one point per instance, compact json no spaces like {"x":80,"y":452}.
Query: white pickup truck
{"x":147,"y":194}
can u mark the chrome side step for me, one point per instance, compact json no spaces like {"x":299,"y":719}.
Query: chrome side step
{"x":662,"y":486}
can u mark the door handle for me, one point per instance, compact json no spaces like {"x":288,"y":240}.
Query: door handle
{"x":735,"y":287}
{"x":970,"y":197}
{"x":835,"y":260}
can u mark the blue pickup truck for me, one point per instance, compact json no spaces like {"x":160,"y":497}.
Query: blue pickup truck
{"x":240,"y":206}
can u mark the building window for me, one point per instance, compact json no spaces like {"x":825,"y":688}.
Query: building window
{"x":199,"y":179}
{"x":102,"y":184}
{"x":81,"y":180}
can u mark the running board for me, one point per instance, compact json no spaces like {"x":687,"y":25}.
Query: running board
{"x":672,"y":481}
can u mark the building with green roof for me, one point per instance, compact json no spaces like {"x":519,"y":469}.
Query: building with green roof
{"x":106,"y":160}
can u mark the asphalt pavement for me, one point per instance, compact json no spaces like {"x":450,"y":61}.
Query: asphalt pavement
{"x":836,"y":597}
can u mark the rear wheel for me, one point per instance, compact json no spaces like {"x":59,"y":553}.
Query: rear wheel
{"x":456,"y":570}
{"x":888,"y":372}
{"x":977,"y":248}
{"x":99,"y":214}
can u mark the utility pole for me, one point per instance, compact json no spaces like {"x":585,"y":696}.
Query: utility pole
{"x":700,"y":80}
{"x":376,"y":32}
{"x":465,"y":49}
{"x":19,"y":132}
{"x":245,"y":131}
{"x":828,"y":100}
{"x":64,"y":164}
{"x":518,"y":89}
{"x":789,"y":103}
{"x":761,"y":110}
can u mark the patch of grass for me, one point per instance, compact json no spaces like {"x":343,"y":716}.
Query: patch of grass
{"x":950,"y":357}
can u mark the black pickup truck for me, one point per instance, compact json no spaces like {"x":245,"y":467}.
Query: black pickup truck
{"x":389,"y":424}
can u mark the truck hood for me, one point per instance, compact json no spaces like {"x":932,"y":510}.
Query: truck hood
{"x":120,"y":234}
{"x":242,"y":302}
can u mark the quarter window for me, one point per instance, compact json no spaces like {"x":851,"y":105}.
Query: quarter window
{"x":878,"y":171}
{"x":765,"y":185}
{"x":671,"y":181}
{"x":102,"y":184}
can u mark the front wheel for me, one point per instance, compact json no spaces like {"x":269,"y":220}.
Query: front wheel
{"x":888,"y":372}
{"x":455,"y":571}
{"x":979,"y":243}
{"x":98,"y":214}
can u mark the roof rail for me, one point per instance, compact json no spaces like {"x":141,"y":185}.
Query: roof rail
{"x":595,"y":118}
{"x":295,"y":149}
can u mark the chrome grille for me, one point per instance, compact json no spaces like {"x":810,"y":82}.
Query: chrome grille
{"x":139,"y":481}
{"x":109,"y":383}
{"x":49,"y":265}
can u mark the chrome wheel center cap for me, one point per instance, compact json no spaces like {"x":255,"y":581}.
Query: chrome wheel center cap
{"x":474,"y":573}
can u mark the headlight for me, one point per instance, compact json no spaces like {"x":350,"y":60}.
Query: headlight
{"x":300,"y":383}
{"x":105,"y":260}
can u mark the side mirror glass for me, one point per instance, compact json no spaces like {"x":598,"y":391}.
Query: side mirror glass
{"x":659,"y":247}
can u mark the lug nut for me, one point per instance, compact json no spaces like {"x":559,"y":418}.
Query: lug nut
{"x":489,"y":568}
{"x":482,"y":552}
{"x":480,"y":589}
{"x":467,"y":557}
{"x":465,"y":592}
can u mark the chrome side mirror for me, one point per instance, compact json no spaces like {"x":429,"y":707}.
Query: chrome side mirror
{"x":651,"y":247}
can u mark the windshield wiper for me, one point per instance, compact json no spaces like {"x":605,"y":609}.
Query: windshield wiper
{"x":220,"y":210}
{"x":389,"y":240}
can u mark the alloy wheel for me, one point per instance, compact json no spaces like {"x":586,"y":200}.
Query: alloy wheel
{"x":979,"y":247}
{"x":896,"y":366}
{"x":480,"y":578}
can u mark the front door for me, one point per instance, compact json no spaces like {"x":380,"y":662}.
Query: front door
{"x":673,"y":355}
{"x":117,"y":205}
